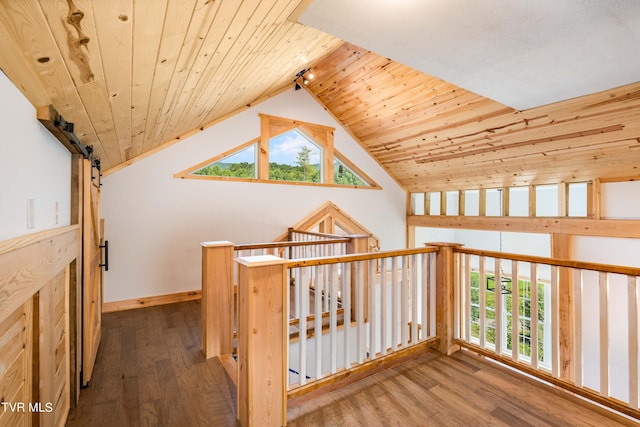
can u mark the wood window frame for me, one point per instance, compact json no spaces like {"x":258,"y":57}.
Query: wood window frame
{"x":273,"y":126}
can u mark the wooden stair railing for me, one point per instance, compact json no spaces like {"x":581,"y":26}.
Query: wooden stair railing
{"x":560,"y":315}
{"x":452,"y":316}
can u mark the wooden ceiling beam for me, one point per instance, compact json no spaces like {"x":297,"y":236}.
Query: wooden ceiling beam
{"x":573,"y":226}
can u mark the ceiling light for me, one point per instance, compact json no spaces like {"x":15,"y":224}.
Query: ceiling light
{"x":303,"y":75}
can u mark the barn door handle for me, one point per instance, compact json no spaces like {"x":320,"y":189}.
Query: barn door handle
{"x":106,"y":255}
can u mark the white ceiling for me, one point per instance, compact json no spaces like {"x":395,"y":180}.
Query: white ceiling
{"x":521,"y":53}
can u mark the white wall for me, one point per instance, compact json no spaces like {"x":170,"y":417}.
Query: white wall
{"x":33,"y":165}
{"x":155,"y":223}
{"x":620,"y":200}
{"x":520,"y":243}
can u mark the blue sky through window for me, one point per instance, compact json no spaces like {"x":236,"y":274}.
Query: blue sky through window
{"x":284,"y":148}
{"x":247,"y":155}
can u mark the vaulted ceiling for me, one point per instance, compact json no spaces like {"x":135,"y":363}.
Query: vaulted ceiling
{"x":135,"y":76}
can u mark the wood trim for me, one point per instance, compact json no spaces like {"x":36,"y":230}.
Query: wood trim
{"x":339,"y":217}
{"x":427,"y":203}
{"x":321,"y":134}
{"x":596,"y":199}
{"x":262,"y":163}
{"x":619,"y":179}
{"x":28,"y":262}
{"x":616,"y":269}
{"x":262,"y":346}
{"x":230,"y":366}
{"x":563,"y":199}
{"x":20,"y":242}
{"x":267,"y":245}
{"x":362,"y":257}
{"x":269,"y":181}
{"x":574,"y":226}
{"x":505,"y":196}
{"x":445,"y":301}
{"x":561,"y":247}
{"x":114,"y":306}
{"x":75,"y":286}
{"x":217,"y":305}
{"x":329,"y":153}
{"x":532,"y":201}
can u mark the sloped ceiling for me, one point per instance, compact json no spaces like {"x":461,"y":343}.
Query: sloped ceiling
{"x":135,"y":75}
{"x":522,"y":54}
{"x":432,"y":135}
{"x":447,"y":108}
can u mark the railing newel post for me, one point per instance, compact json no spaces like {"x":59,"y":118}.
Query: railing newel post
{"x":445,"y":296}
{"x":217,"y":303}
{"x":262,"y":341}
{"x":359,"y":243}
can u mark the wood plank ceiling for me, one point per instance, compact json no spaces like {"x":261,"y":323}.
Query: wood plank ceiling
{"x":434,"y":136}
{"x":135,"y":76}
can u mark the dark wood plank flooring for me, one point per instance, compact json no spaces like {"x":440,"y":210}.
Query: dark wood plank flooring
{"x":150,"y":372}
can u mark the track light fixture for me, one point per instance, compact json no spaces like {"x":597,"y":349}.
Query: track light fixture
{"x":303,"y":77}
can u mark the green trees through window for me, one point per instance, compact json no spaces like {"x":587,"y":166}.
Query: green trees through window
{"x":286,"y":151}
{"x":241,"y":164}
{"x":524,"y":314}
{"x":294,"y":156}
{"x":345,"y":176}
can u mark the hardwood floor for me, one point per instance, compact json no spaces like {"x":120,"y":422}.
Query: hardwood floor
{"x":460,"y":390}
{"x":150,"y":372}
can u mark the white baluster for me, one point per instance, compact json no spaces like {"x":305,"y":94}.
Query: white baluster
{"x":373,"y":312}
{"x":632,"y":299}
{"x":515,"y":312}
{"x":555,"y":322}
{"x":404,"y":301}
{"x":384,"y":316}
{"x":604,"y":333}
{"x":482,"y":286}
{"x":333,"y":316}
{"x":394,"y":303}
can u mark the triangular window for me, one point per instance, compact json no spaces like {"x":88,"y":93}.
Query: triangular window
{"x":240,"y":164}
{"x":287,"y":151}
{"x":344,"y":175}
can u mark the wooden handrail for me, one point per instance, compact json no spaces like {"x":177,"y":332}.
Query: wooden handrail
{"x":29,"y":239}
{"x":313,"y":233}
{"x":352,"y":280}
{"x":271,"y":245}
{"x":307,"y":262}
{"x":616,"y":269}
{"x":564,"y":341}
